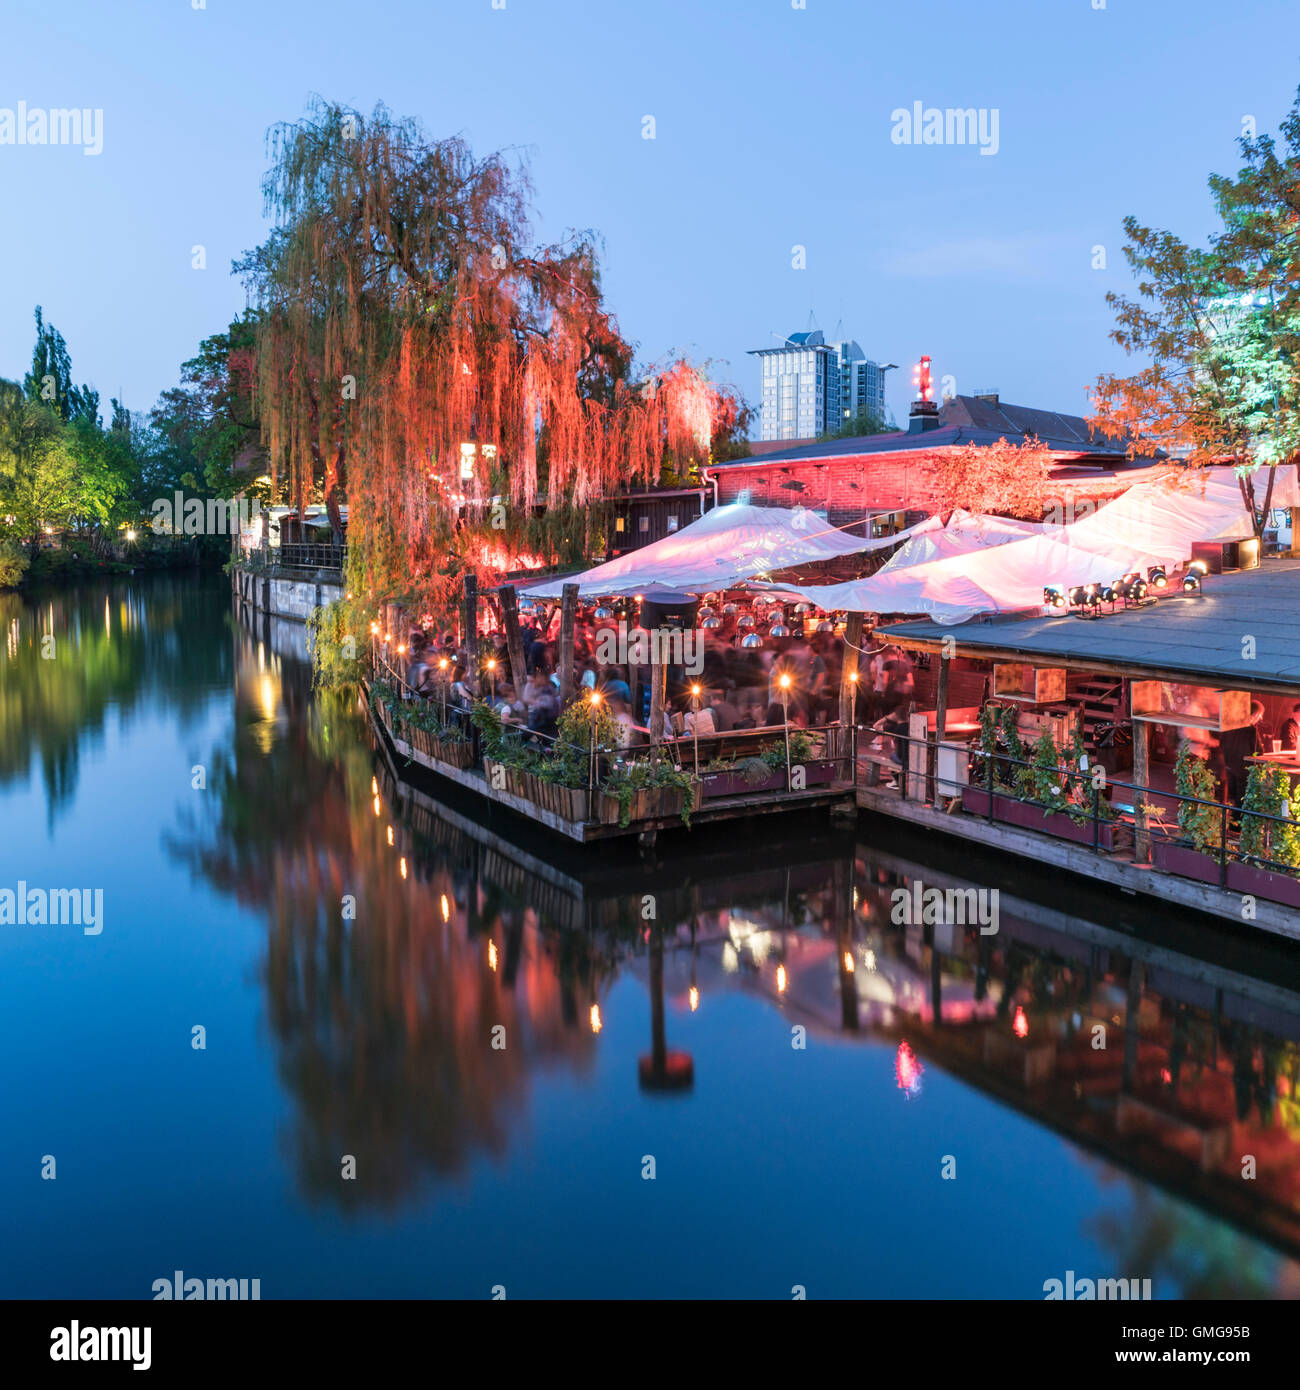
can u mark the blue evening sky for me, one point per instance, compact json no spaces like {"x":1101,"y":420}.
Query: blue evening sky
{"x":772,"y":130}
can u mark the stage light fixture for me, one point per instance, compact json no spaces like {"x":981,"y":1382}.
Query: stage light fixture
{"x":1191,"y":582}
{"x":1157,"y":577}
{"x":1053,"y":596}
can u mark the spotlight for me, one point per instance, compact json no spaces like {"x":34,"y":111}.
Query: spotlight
{"x":1191,"y":582}
{"x":1198,"y":567}
{"x":1106,"y":593}
{"x":1157,"y":577}
{"x":1053,"y":596}
{"x":1078,"y":596}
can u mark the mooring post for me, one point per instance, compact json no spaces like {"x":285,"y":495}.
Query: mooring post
{"x":568,"y":624}
{"x":658,"y":674}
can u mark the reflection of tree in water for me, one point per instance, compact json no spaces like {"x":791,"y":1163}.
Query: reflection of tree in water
{"x":383,"y":1024}
{"x":117,"y":646}
{"x":1172,"y":1243}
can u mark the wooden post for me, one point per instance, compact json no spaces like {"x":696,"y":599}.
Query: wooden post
{"x":658,"y":675}
{"x":1142,"y":776}
{"x":514,"y":638}
{"x":940,"y":719}
{"x":568,"y":622}
{"x":470,"y":620}
{"x":852,"y":667}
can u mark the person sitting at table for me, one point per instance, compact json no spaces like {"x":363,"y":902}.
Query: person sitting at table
{"x":1290,"y":731}
{"x":725,"y":714}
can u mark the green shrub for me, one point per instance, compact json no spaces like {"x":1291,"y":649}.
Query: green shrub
{"x":14,"y":564}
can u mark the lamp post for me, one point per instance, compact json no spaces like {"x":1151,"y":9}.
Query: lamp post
{"x":442,"y":666}
{"x":784,"y":682}
{"x":695,"y":695}
{"x":594,"y":708}
{"x":492,"y":676}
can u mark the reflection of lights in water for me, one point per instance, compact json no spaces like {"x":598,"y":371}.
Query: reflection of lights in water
{"x":695,"y":998}
{"x":492,"y":953}
{"x":595,"y":1018}
{"x":908,"y":1070}
{"x":108,"y":622}
{"x":375,"y":804}
{"x":374,"y":786}
{"x":446,"y":908}
{"x":266,"y":691}
{"x":780,"y":979}
{"x":869,"y":958}
{"x":1020,"y":1024}
{"x":402,"y":866}
{"x":730,"y":960}
{"x":855,"y":899}
{"x":390,"y":834}
{"x":760,"y":944}
{"x":1166,"y":1076}
{"x":848,"y":962}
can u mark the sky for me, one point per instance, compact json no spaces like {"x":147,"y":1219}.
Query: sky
{"x":773,"y":187}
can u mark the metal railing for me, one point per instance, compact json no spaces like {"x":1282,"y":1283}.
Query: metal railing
{"x":605,"y":762}
{"x":1143,"y":813}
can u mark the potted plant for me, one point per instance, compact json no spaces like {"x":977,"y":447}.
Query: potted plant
{"x":1195,"y":853}
{"x":1268,"y":848}
{"x":646,"y":790}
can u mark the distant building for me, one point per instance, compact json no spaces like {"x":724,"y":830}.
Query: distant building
{"x":811,"y":387}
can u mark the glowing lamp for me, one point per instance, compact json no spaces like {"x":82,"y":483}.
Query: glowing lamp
{"x":1191,"y":582}
{"x":1054,"y":596}
{"x":1157,"y":577}
{"x":784,"y":680}
{"x":695,"y":690}
{"x":130,"y":535}
{"x":853,"y":676}
{"x":443,"y":663}
{"x":595,"y":697}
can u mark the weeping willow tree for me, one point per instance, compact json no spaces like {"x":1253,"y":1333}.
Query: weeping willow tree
{"x":467,"y":393}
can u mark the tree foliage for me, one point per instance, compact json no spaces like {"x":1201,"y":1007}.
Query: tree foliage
{"x":403,"y":312}
{"x":1005,"y":478}
{"x":1221,"y":327}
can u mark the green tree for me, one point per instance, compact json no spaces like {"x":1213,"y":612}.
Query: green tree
{"x":1221,"y":325}
{"x":39,"y":482}
{"x":50,"y":379}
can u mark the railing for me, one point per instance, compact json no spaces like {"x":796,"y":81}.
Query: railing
{"x":682,"y":752}
{"x":310,"y":555}
{"x":1142,"y":812}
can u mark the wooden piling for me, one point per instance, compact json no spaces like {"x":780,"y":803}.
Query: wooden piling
{"x":509,"y":601}
{"x":568,"y":624}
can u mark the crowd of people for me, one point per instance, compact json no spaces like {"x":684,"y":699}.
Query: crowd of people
{"x":725,"y":687}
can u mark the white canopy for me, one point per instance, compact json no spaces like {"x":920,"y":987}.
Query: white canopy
{"x":965,"y":531}
{"x":722,"y":548}
{"x":1153,"y":523}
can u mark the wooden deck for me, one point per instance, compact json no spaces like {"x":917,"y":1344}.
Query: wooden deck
{"x":834,"y":797}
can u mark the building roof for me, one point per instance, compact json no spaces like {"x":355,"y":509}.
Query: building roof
{"x":981,"y":420}
{"x":1197,"y":637}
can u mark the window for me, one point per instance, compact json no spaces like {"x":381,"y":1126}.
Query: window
{"x":672,"y":524}
{"x":618,"y":524}
{"x":645,"y":524}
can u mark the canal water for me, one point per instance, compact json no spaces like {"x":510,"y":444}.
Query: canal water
{"x":353,"y":1039}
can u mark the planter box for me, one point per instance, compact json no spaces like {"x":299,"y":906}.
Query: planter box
{"x":1276,"y":885}
{"x":459,"y":755}
{"x":1186,"y":862}
{"x":648,"y":803}
{"x":818,"y":772}
{"x":1009,"y":811}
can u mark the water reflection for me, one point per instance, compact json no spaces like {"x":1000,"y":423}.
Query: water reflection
{"x":74,"y":657}
{"x":402,"y":933}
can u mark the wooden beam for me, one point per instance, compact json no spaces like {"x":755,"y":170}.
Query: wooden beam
{"x":1142,"y":776}
{"x":568,"y":624}
{"x":658,"y":681}
{"x":509,"y":601}
{"x":469,"y":621}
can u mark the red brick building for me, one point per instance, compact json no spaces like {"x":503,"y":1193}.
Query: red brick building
{"x":885,"y":479}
